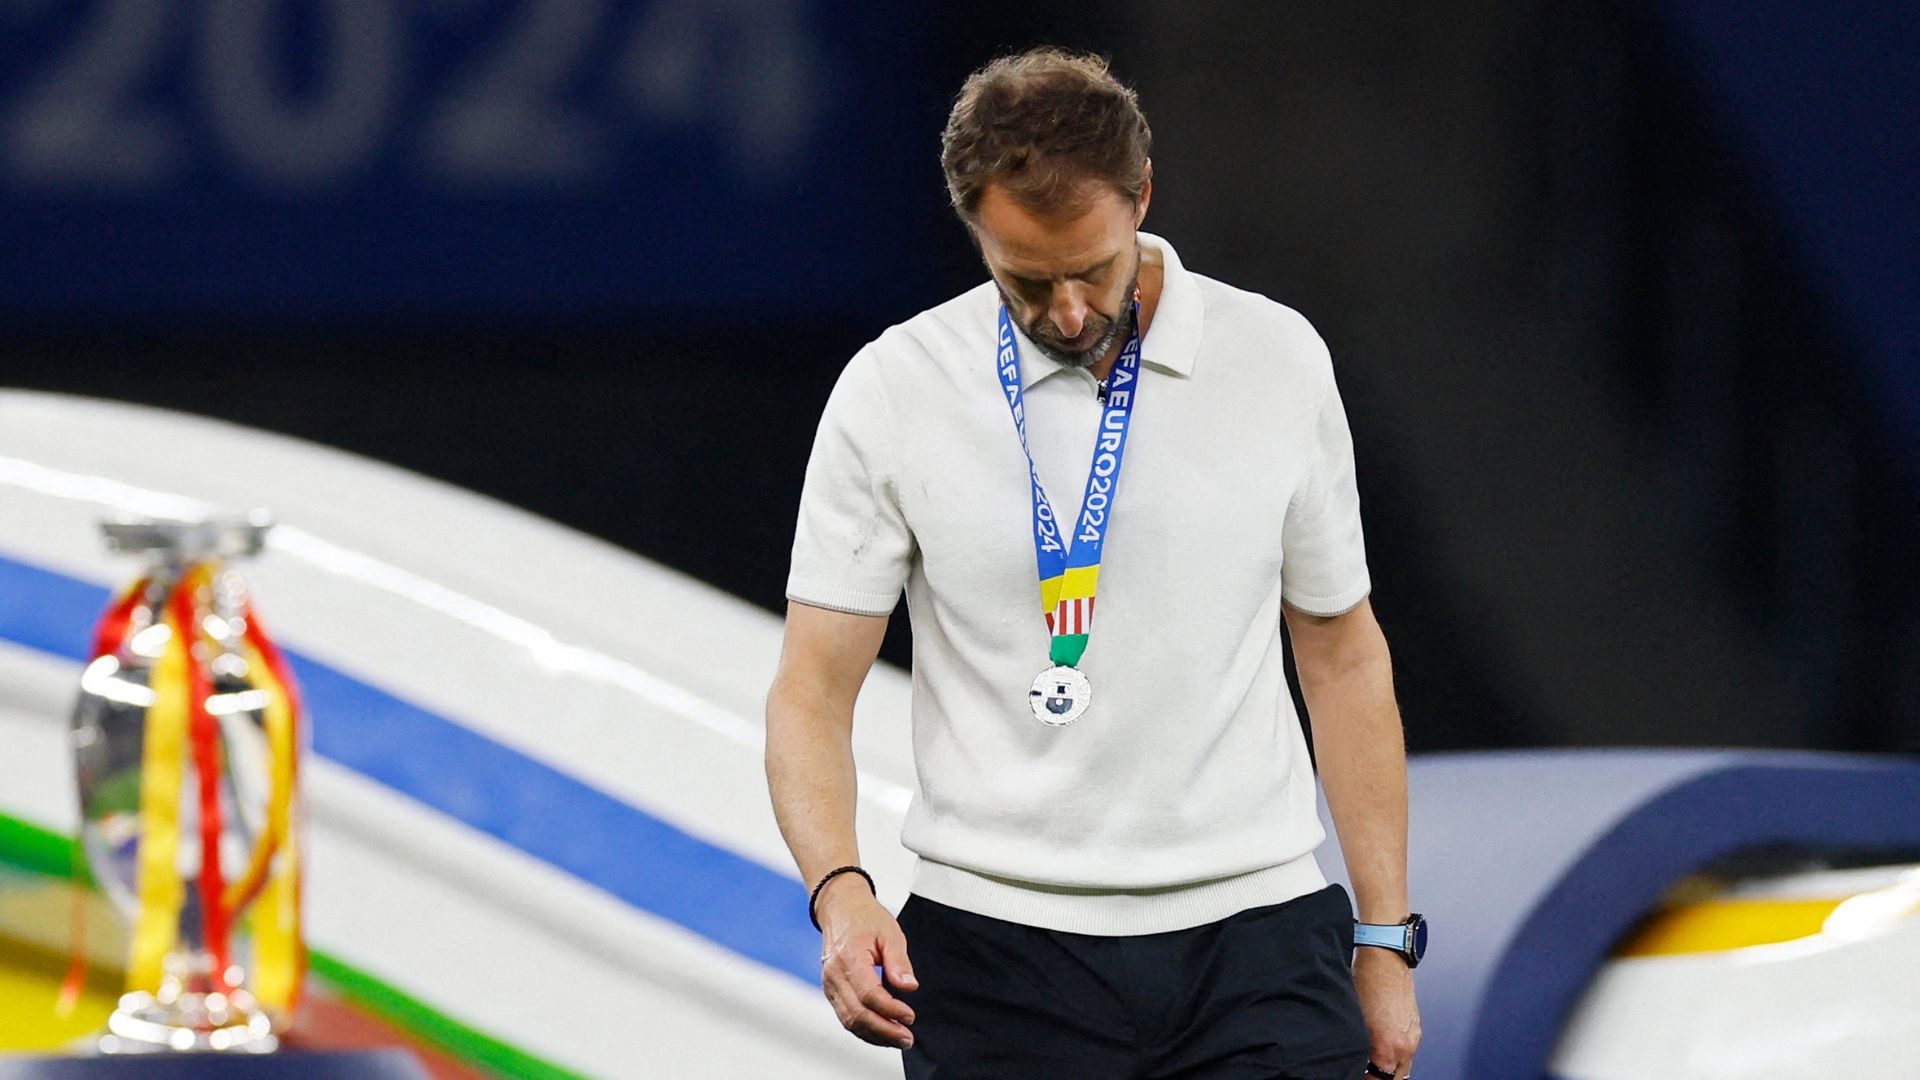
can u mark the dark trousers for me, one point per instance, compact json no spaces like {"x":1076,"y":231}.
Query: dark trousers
{"x":1263,"y":995}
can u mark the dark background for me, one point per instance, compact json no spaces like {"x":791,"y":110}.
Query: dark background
{"x":1622,"y":295}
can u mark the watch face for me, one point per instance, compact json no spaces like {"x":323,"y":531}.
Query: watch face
{"x":1419,"y":936}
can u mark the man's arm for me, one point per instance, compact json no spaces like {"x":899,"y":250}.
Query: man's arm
{"x":810,"y":773}
{"x":1346,"y":677}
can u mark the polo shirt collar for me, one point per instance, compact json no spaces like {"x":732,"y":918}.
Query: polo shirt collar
{"x":1172,"y":343}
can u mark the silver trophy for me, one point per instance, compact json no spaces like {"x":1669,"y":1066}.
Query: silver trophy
{"x":175,"y":738}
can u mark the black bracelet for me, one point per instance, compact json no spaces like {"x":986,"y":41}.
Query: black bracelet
{"x":815,"y":898}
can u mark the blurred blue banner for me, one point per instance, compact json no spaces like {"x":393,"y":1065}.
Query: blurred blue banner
{"x":463,"y":157}
{"x":1825,"y":102}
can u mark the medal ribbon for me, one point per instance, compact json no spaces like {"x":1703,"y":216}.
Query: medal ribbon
{"x":1070,"y":577}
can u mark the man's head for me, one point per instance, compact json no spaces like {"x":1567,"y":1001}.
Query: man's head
{"x":1046,"y":161}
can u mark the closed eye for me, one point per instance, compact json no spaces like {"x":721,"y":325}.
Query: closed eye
{"x":1096,"y":274}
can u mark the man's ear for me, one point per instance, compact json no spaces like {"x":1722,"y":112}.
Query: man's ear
{"x":1146,"y":194}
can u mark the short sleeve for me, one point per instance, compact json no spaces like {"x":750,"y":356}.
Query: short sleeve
{"x":852,"y":547}
{"x":1323,"y":567}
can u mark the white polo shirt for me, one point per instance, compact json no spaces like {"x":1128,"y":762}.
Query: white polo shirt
{"x":1185,"y":794}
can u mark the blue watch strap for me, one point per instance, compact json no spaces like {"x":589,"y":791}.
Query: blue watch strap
{"x":1385,"y":935}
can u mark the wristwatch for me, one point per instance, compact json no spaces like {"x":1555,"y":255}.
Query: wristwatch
{"x":1408,"y":937}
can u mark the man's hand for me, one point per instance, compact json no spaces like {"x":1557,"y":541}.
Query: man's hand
{"x":1385,"y":984}
{"x":857,"y":935}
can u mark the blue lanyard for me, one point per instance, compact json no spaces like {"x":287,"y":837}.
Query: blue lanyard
{"x":1103,"y":478}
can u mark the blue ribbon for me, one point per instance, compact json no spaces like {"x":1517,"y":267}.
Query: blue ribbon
{"x":1051,"y":554}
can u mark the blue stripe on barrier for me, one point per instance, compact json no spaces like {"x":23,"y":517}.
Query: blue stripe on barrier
{"x":605,"y":842}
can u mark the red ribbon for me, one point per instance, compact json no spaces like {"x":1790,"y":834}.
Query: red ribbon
{"x":204,"y":733}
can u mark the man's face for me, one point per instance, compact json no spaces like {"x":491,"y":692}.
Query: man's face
{"x":1067,"y":277}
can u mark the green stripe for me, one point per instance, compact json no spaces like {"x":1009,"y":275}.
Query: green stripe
{"x":432,"y":1026}
{"x":1068,"y":648}
{"x":30,"y":847}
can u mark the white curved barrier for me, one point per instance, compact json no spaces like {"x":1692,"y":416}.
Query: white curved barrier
{"x":600,"y":883}
{"x":1828,"y":1003}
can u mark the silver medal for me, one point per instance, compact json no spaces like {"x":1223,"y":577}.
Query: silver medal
{"x":1060,"y":696}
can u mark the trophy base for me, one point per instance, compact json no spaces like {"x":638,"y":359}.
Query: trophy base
{"x":189,"y":1023}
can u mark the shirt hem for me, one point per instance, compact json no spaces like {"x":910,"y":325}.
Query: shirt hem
{"x":1328,"y":606}
{"x":1116,"y":913}
{"x":851,"y":601}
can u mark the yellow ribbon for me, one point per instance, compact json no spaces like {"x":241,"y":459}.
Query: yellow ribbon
{"x":1077,"y":583}
{"x":275,"y":916}
{"x":162,"y":768}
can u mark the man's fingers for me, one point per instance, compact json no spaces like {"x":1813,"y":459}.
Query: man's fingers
{"x":863,"y":1004}
{"x":1402,"y":1059}
{"x":1398,"y":1048}
{"x":1393,"y":1056}
{"x":893,"y":959}
{"x":856,"y":972}
{"x":875,"y":997}
{"x":880,"y":1031}
{"x":863,"y":1021}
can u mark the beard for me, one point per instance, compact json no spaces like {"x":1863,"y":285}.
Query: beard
{"x":1106,"y":331}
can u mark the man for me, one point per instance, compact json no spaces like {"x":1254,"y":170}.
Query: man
{"x":1116,"y":873}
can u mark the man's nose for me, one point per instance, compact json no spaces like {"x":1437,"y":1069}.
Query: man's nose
{"x":1068,"y":311}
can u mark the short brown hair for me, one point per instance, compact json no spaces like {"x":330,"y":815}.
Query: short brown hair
{"x":1041,"y":123}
